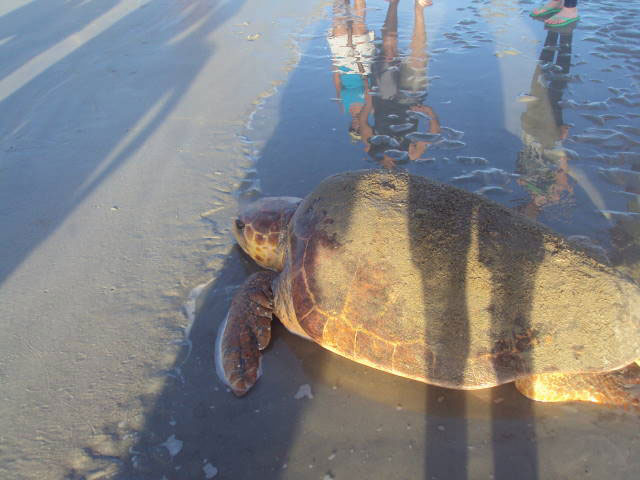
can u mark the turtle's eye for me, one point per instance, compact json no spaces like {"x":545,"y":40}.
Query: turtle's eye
{"x":239,"y":224}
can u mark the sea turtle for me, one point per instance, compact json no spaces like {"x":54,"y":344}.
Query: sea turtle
{"x":433,"y":283}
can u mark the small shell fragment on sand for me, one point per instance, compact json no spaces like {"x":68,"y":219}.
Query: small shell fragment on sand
{"x":304,"y":391}
{"x":508,"y":51}
{"x":173,"y":445}
{"x":526,"y":98}
{"x":209,"y":471}
{"x":253,"y":37}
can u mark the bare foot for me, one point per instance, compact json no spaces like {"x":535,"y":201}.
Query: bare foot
{"x":424,"y":3}
{"x":562,"y":16}
{"x":549,"y":5}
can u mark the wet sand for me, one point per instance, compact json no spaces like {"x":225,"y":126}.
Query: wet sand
{"x":121,"y":167}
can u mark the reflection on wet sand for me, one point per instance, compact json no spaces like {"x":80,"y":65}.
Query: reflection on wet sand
{"x":380,"y":88}
{"x":543,"y":163}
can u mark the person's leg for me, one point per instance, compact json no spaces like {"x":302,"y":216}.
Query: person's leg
{"x":390,"y":32}
{"x":552,"y":6}
{"x":558,"y":83}
{"x":550,"y":45}
{"x":359,"y":25}
{"x":569,"y":11}
{"x":340,"y":14}
{"x":418,"y":47}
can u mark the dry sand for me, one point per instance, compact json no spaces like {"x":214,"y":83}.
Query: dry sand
{"x":117,"y":138}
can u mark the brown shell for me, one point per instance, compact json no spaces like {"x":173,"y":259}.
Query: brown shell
{"x":433,"y":283}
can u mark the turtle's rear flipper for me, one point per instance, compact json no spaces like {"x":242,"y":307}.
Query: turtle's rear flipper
{"x":619,"y":388}
{"x":245,"y":331}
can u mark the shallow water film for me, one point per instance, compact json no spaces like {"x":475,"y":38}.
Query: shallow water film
{"x":472,"y":93}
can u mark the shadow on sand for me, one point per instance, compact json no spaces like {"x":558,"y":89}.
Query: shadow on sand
{"x":90,"y":110}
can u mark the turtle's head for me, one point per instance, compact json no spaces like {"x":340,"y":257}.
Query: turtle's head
{"x":260,"y":229}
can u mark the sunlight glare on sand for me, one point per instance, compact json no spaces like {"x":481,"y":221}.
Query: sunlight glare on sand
{"x":40,"y":63}
{"x":8,"y":7}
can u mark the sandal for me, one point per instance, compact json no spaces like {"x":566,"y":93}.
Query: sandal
{"x":565,"y":21}
{"x":543,"y":10}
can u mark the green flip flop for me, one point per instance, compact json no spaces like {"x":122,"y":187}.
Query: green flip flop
{"x":567,"y":21}
{"x":544,"y":11}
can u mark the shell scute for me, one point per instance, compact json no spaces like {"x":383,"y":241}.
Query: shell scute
{"x":369,"y":295}
{"x":302,"y":301}
{"x":339,"y":336}
{"x":313,"y":324}
{"x":372,"y":349}
{"x":414,"y":360}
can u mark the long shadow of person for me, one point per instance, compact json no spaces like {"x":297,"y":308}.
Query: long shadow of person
{"x":513,"y":258}
{"x":477,"y":266}
{"x":543,"y":169}
{"x":56,"y":19}
{"x":444,"y":278}
{"x":114,"y":116}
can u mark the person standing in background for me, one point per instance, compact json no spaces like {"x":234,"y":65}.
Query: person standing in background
{"x":562,"y":12}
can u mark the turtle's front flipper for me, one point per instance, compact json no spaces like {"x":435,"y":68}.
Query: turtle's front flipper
{"x":619,"y":388}
{"x":245,"y":331}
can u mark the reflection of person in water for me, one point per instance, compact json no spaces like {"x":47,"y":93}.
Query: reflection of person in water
{"x":401,"y":89}
{"x":542,"y":162}
{"x":352,"y":49}
{"x":400,"y":82}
